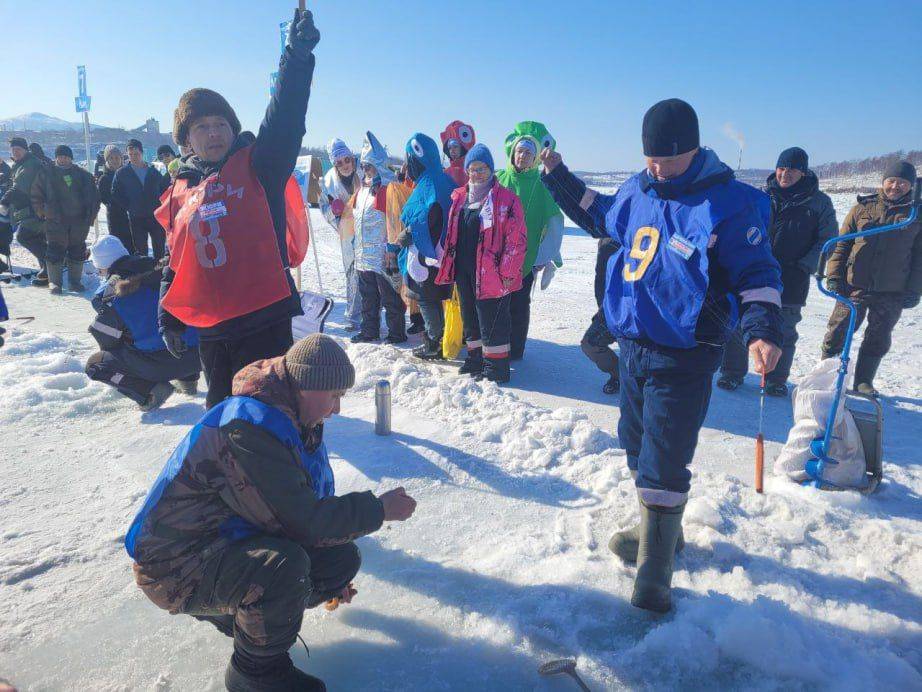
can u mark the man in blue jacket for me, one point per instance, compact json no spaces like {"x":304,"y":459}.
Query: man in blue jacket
{"x":694,"y":253}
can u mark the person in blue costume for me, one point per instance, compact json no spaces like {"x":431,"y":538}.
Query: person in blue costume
{"x":425,"y":216}
{"x":694,"y":260}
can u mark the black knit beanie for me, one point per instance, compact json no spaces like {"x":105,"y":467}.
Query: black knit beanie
{"x":63,"y":150}
{"x":197,"y":103}
{"x":670,"y":128}
{"x":795,"y":157}
{"x":901,"y":169}
{"x":19,"y":142}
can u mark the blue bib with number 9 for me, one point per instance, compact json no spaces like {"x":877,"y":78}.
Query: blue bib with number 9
{"x":657,"y":282}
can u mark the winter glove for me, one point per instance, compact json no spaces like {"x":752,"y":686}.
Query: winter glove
{"x":547,"y":274}
{"x":174,"y":343}
{"x":337,"y":206}
{"x":390,"y":262}
{"x":303,"y":36}
{"x":910,"y":300}
{"x":405,"y":239}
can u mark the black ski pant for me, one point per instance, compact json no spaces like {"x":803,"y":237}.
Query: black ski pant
{"x":520,"y":311}
{"x":736,"y":354}
{"x":123,"y":233}
{"x":596,"y":345}
{"x":487,"y":323}
{"x":134,"y":373}
{"x":256,"y":590}
{"x":882,"y":311}
{"x":144,"y":227}
{"x":66,"y":240}
{"x":377,"y":291}
{"x":222,"y":359}
{"x":31,"y":235}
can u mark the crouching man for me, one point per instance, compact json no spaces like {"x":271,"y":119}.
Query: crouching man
{"x":132,"y":356}
{"x":243,"y":528}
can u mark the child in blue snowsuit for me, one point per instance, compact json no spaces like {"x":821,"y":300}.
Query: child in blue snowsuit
{"x":694,"y":260}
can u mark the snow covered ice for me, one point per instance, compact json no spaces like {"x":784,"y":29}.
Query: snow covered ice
{"x":505,"y":564}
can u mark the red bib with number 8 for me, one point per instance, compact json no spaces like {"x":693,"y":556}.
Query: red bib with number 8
{"x":223,"y":246}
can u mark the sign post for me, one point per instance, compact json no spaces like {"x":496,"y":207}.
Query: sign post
{"x":82,"y":103}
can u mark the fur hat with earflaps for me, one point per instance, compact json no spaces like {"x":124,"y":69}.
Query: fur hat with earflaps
{"x":197,"y":103}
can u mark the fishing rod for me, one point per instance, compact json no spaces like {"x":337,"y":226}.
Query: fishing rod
{"x":821,"y":445}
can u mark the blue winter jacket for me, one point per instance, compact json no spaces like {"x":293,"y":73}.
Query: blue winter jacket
{"x":694,"y":257}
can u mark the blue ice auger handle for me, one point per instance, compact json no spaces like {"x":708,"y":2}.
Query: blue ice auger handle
{"x":820,"y":446}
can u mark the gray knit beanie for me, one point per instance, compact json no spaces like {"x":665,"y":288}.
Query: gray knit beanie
{"x":318,"y":363}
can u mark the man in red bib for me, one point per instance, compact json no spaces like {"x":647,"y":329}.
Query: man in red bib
{"x":225,"y":218}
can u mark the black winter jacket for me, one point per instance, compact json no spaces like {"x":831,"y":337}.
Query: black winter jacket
{"x":803,"y":218}
{"x":116,"y":214}
{"x":141,"y":200}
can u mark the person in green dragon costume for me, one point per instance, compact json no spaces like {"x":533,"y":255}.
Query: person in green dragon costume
{"x":543,"y":219}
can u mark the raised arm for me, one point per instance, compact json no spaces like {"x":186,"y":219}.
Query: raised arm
{"x":279,"y":140}
{"x":587,"y":208}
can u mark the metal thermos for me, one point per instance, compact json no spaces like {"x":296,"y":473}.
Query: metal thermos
{"x":383,"y":408}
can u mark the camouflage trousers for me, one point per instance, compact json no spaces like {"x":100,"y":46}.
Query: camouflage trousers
{"x":256,"y":590}
{"x":882,"y":311}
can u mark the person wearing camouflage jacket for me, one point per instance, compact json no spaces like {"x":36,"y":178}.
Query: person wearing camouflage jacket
{"x":243,"y":528}
{"x":882,"y":273}
{"x":28,"y":180}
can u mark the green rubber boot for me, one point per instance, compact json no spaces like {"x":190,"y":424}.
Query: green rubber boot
{"x":660,"y":528}
{"x":625,"y":544}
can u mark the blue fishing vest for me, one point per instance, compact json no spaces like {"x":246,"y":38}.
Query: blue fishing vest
{"x":657,"y":282}
{"x":139,"y":313}
{"x":269,"y":418}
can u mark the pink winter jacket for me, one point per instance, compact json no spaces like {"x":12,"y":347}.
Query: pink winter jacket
{"x":502,"y":244}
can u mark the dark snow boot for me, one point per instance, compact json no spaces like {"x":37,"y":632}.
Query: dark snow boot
{"x":188,"y":387}
{"x":496,"y":370}
{"x":41,"y":279}
{"x":473,"y":364}
{"x":613,"y":386}
{"x":247,"y":673}
{"x":364,"y":339}
{"x":159,"y":394}
{"x":74,"y":274}
{"x":396,"y":338}
{"x":625,"y":543}
{"x":729,"y":382}
{"x":779,"y":389}
{"x":865,"y":370}
{"x":659,"y":535}
{"x":55,"y":277}
{"x":417,"y":326}
{"x":430,"y":349}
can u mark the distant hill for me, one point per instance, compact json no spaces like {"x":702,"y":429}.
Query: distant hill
{"x":38,"y":122}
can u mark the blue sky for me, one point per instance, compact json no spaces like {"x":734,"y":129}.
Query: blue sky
{"x":837,"y":78}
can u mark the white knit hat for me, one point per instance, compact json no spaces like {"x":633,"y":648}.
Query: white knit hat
{"x":106,"y":251}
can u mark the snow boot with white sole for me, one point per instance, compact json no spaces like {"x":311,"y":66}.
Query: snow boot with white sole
{"x":659,"y":535}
